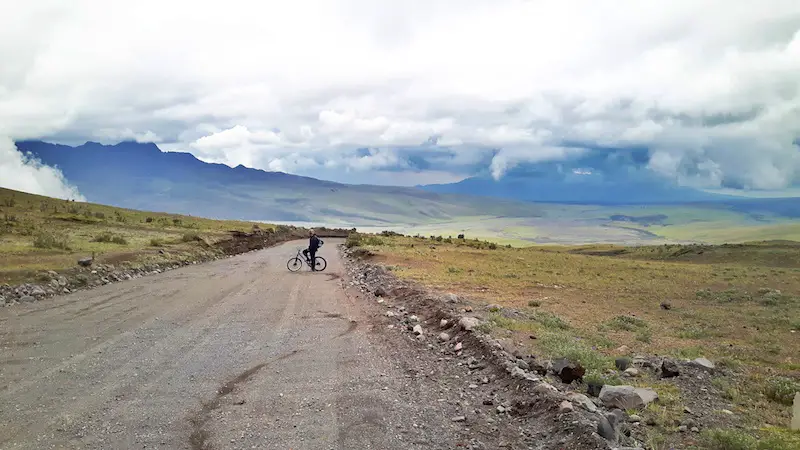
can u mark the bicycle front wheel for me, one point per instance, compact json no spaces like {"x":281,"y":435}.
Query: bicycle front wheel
{"x":320,"y":264}
{"x":294,"y":264}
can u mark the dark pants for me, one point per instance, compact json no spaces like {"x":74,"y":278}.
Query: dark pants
{"x":311,"y":255}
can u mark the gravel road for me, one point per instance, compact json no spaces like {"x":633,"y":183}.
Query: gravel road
{"x":237,"y":353}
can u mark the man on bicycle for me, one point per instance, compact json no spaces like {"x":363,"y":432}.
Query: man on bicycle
{"x":311,"y":252}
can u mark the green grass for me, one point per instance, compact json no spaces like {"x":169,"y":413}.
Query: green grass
{"x":40,"y":233}
{"x":734,"y":304}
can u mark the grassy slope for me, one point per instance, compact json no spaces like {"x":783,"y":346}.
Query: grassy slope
{"x":66,"y":231}
{"x":724,"y":299}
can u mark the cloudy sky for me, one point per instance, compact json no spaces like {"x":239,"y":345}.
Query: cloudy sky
{"x":705,"y":93}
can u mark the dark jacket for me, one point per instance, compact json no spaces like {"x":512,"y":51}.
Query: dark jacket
{"x":314,"y":243}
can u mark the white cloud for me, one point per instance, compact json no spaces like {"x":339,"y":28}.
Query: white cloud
{"x":713,"y":89}
{"x":22,"y":173}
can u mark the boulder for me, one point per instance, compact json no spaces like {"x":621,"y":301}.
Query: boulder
{"x":37,"y":291}
{"x":469,"y":323}
{"x":627,"y":397}
{"x":669,"y":369}
{"x":568,"y":371}
{"x":582,"y":401}
{"x":703,"y":363}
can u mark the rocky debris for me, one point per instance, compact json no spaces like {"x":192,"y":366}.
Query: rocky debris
{"x":703,"y":363}
{"x":469,"y":323}
{"x":622,"y":363}
{"x":568,"y":371}
{"x":458,"y":347}
{"x":545,"y":388}
{"x":565,"y":407}
{"x":390,"y":314}
{"x":451,"y":298}
{"x":669,"y":369}
{"x":539,"y":367}
{"x":582,"y":401}
{"x":417,"y":330}
{"x":627,"y":397}
{"x":443,"y":323}
{"x":631,"y":372}
{"x":444,"y":337}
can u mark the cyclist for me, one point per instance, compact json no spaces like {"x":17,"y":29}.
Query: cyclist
{"x":311,"y":252}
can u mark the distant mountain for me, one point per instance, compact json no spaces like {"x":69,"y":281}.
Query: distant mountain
{"x":584,"y":189}
{"x":141,"y":176}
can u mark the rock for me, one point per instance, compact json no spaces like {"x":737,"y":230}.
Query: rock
{"x":634,"y":418}
{"x":568,"y":371}
{"x":627,"y":397}
{"x":469,"y":323}
{"x":669,"y":369}
{"x":606,"y":430}
{"x":52,"y":274}
{"x":413,"y":318}
{"x":703,"y":364}
{"x":695,"y":430}
{"x":516,"y":372}
{"x":53,"y":283}
{"x":594,"y":389}
{"x":380,"y":291}
{"x":582,"y":401}
{"x":458,"y":347}
{"x":545,"y":388}
{"x":62,"y":281}
{"x":565,"y":407}
{"x":27,"y":299}
{"x":683,"y":428}
{"x":647,"y":395}
{"x":444,"y":337}
{"x":468,"y":309}
{"x":500,"y":409}
{"x":37,"y":291}
{"x":796,"y":412}
{"x":459,"y":419}
{"x":417,"y":329}
{"x":622,"y":363}
{"x":390,"y":314}
{"x":494,"y":307}
{"x":631,"y":372}
{"x":443,"y":323}
{"x":730,"y":413}
{"x":451,"y":298}
{"x":523,"y":365}
{"x":540,"y":367}
{"x":666,"y":306}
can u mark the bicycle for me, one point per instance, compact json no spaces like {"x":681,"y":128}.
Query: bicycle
{"x":296,"y":263}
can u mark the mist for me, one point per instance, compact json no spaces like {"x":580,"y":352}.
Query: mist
{"x":23,"y":173}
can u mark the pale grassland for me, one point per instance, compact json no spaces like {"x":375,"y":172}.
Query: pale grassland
{"x":738,"y":305}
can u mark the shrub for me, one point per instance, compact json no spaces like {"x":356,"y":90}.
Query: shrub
{"x":534,"y":303}
{"x":110,"y":238}
{"x":191,"y":237}
{"x":353,"y":240}
{"x":156,"y":242}
{"x":626,"y":323}
{"x":148,"y":220}
{"x":782,"y":390}
{"x":46,"y":239}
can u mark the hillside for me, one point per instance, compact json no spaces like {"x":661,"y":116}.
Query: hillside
{"x":41,"y":234}
{"x":141,"y":176}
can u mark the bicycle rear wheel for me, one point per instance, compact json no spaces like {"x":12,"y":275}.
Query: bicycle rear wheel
{"x":320,"y":264}
{"x":294,"y":264}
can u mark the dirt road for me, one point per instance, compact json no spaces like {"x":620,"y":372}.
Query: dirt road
{"x":238,"y":353}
